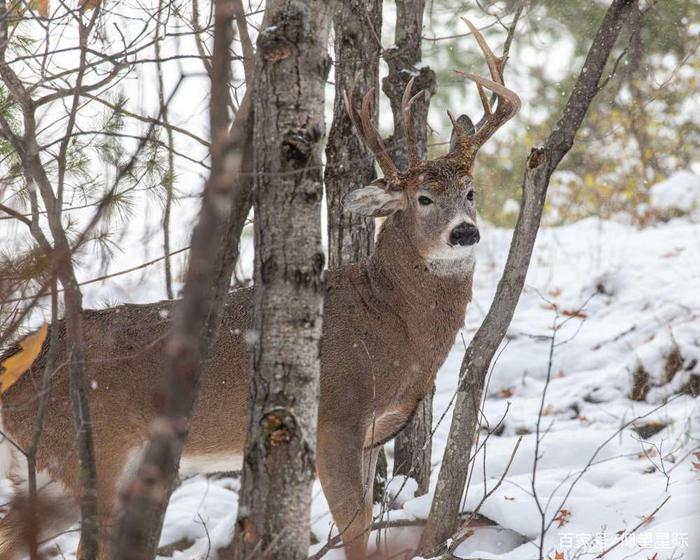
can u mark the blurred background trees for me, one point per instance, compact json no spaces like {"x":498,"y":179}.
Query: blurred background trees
{"x":641,"y":128}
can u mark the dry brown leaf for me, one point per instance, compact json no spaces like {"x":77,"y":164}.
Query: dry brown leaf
{"x":16,"y":365}
{"x":574,"y":313}
{"x":562,"y":517}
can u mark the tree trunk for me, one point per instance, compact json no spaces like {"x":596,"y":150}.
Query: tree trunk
{"x":543,"y":161}
{"x":279,"y":466}
{"x":225,"y":206}
{"x":349,"y":164}
{"x":413,"y":445}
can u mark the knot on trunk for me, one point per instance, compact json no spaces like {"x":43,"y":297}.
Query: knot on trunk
{"x":279,"y":427}
{"x":290,"y":26}
{"x":400,"y":73}
{"x":310,"y":276}
{"x":298,"y":146}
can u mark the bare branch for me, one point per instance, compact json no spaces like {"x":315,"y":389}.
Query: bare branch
{"x":539,"y":167}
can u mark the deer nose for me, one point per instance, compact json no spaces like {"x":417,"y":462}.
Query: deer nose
{"x":464,"y":234}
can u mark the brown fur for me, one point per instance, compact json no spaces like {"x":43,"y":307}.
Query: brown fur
{"x":388,"y":325}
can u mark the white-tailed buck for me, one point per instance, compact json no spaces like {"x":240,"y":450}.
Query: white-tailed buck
{"x":388,"y":325}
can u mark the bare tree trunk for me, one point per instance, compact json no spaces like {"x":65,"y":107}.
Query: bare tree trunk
{"x":279,"y":465}
{"x":541,"y":163}
{"x":225,"y":206}
{"x":413,"y":445}
{"x":349,"y":164}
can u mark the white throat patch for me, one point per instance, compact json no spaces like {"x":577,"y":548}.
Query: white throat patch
{"x":459,"y":266}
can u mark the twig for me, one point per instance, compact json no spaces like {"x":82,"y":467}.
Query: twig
{"x":645,"y":520}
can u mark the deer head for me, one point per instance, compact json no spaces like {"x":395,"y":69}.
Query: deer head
{"x":437,"y":196}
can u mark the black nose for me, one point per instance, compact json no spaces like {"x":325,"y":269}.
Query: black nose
{"x":464,"y":234}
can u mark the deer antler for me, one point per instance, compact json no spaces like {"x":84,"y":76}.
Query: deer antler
{"x":508,"y":102}
{"x":409,"y":129}
{"x":367,"y":131}
{"x":370,"y":135}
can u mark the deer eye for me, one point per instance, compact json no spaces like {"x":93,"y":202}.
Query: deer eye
{"x":424,"y":201}
{"x":470,"y":196}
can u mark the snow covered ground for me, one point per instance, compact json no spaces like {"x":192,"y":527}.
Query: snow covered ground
{"x":621,"y":307}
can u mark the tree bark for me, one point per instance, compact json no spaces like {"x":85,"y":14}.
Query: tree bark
{"x":413,"y":445}
{"x":225,"y":206}
{"x":349,"y":164}
{"x":279,"y":466}
{"x":541,"y":163}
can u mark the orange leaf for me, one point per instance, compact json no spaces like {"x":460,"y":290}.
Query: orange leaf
{"x":43,"y":8}
{"x":562,"y":517}
{"x":88,"y":4}
{"x":505,"y":393}
{"x":558,"y":555}
{"x":17,"y":365}
{"x":574,"y":313}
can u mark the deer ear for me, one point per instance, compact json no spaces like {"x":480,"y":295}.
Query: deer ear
{"x":465,"y":124}
{"x":374,"y":201}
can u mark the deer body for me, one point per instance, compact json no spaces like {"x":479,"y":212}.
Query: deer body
{"x":388,"y":324}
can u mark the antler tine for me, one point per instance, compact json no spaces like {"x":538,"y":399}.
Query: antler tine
{"x":495,"y":63}
{"x":366,"y":130}
{"x":484,"y":99}
{"x":508,"y":103}
{"x":409,"y":129}
{"x":373,"y":139}
{"x":350,"y":107}
{"x":508,"y":106}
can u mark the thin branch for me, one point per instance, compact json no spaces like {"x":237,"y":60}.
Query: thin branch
{"x":644,"y":521}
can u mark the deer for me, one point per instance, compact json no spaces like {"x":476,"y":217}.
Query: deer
{"x":389,"y":322}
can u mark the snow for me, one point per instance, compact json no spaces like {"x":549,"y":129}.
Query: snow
{"x":679,"y":194}
{"x":616,"y":299}
{"x":624,"y":297}
{"x":619,"y":298}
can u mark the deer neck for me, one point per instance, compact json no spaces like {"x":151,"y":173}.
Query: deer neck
{"x":415,"y":289}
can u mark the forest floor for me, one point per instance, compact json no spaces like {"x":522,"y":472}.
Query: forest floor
{"x":618,"y":310}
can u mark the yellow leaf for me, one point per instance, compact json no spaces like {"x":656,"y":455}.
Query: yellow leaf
{"x":19,"y":363}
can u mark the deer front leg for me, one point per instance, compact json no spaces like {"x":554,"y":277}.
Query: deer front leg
{"x":346,"y":472}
